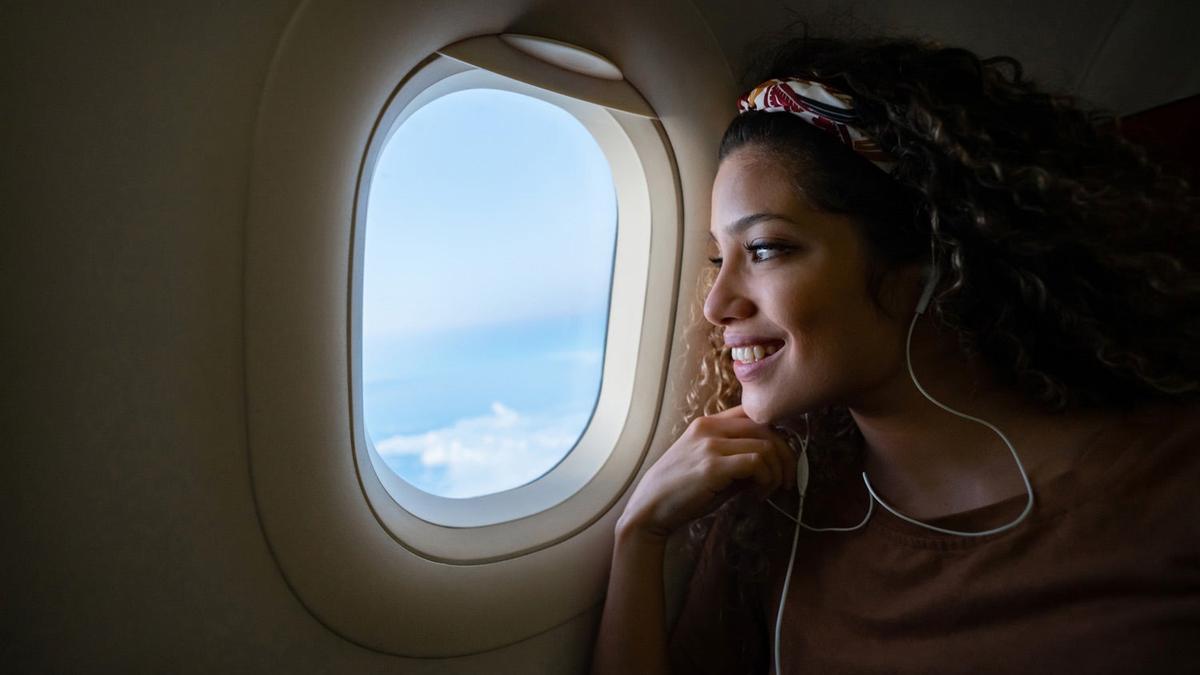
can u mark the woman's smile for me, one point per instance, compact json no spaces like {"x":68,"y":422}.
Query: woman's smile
{"x":752,"y":355}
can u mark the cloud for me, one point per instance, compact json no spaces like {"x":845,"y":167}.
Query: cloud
{"x":481,"y":455}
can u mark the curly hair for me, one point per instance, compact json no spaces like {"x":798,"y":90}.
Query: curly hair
{"x":1069,"y":261}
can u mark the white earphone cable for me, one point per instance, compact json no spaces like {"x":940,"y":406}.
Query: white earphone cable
{"x":802,"y":475}
{"x":989,"y":425}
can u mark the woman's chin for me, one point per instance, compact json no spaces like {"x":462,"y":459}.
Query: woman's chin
{"x":758,"y":410}
{"x":765,"y":410}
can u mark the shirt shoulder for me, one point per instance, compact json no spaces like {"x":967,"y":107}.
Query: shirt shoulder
{"x":1152,"y":466}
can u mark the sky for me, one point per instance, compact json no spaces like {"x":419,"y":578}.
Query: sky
{"x":490,"y":228}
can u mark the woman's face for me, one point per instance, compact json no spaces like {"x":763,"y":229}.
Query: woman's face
{"x":791,"y":294}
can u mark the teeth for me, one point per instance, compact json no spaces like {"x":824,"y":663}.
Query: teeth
{"x":752,"y":353}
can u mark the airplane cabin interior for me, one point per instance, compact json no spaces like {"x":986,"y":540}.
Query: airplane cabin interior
{"x":338,"y":334}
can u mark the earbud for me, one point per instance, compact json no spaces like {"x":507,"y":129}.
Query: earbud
{"x":932,"y":276}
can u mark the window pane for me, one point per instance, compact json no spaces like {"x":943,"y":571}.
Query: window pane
{"x":488,"y":260}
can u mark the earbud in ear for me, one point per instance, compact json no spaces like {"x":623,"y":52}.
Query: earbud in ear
{"x":932,"y":276}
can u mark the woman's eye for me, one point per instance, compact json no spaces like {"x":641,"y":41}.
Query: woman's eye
{"x":762,"y":251}
{"x":715,"y":261}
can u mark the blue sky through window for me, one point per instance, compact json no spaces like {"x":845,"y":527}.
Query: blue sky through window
{"x":490,"y":229}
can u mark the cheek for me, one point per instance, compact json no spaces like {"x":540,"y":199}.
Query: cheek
{"x":873,"y":347}
{"x":819,"y":363}
{"x":837,"y":337}
{"x":813,"y":314}
{"x":800,"y":306}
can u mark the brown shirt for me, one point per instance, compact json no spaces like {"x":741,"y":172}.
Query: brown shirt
{"x":1102,"y":577}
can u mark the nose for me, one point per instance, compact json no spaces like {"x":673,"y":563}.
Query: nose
{"x":726,"y":301}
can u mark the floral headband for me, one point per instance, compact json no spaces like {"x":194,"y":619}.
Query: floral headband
{"x":823,"y":107}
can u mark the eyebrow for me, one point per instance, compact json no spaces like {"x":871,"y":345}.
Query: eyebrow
{"x":745,"y":222}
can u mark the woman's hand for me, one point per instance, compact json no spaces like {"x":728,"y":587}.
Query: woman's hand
{"x":715,"y":458}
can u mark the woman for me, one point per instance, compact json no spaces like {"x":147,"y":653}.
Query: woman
{"x":975,"y":307}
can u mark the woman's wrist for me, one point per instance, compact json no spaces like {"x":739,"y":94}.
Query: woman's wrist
{"x":631,"y":529}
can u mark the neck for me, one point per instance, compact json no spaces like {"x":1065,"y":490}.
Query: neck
{"x":928,"y":462}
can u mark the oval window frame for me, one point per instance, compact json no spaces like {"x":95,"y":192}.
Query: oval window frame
{"x":629,"y":273}
{"x":593,"y":474}
{"x":331,"y":74}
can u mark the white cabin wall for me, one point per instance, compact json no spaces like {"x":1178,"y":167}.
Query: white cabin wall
{"x":132,"y":543}
{"x":1150,"y":57}
{"x":131,"y":539}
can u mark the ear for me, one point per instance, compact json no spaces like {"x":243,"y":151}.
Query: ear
{"x":905,"y":287}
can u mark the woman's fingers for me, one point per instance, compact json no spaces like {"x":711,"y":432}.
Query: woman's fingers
{"x":745,"y":428}
{"x":735,"y":411}
{"x":734,"y":427}
{"x":732,"y":432}
{"x":717,"y":456}
{"x":748,"y":466}
{"x":768,"y":460}
{"x":767,"y":451}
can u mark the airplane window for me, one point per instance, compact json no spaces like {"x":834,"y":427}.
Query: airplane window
{"x":487,"y":266}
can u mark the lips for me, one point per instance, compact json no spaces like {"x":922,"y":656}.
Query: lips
{"x":752,"y":354}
